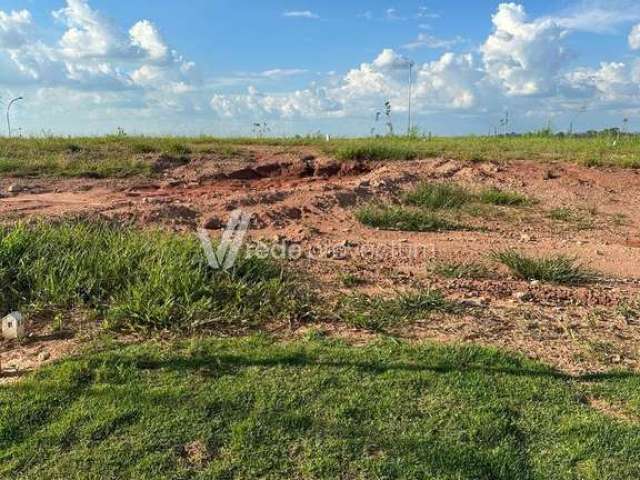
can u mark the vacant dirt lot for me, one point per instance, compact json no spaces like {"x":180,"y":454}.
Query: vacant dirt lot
{"x":304,"y":202}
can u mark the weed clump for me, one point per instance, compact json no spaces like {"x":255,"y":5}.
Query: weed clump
{"x":556,"y":269}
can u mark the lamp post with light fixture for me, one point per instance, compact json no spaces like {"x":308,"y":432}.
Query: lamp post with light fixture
{"x":17,"y":99}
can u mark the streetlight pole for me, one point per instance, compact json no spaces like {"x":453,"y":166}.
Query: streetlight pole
{"x":17,"y":99}
{"x":411,"y":64}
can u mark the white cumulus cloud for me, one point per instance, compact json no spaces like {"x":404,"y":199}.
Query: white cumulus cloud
{"x":89,"y":34}
{"x":92,"y":53}
{"x":523,"y":56}
{"x":146,"y":36}
{"x":634,"y":38}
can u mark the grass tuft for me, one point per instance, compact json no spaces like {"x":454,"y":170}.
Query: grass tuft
{"x":495,"y":196}
{"x":352,"y":280}
{"x":460,"y":270}
{"x":136,"y":279}
{"x":403,"y":219}
{"x":556,"y":269}
{"x":439,"y":196}
{"x":579,"y":219}
{"x":378,"y":313}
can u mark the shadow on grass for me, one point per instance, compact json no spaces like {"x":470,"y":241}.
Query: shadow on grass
{"x":232,"y":363}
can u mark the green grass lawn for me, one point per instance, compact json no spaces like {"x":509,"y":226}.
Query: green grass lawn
{"x":254,"y":408}
{"x":122,"y":156}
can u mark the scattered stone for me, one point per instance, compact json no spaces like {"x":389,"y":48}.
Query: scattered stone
{"x":551,"y":175}
{"x":525,"y":237}
{"x":347,"y":244}
{"x":327,"y":168}
{"x":346,"y":199}
{"x":523,"y":296}
{"x":44,"y":356}
{"x":173,"y":182}
{"x":535,"y":283}
{"x":244,"y":174}
{"x":174,"y":214}
{"x":616,"y":359}
{"x":269,"y":170}
{"x":257,"y":222}
{"x":292,"y":213}
{"x":306,"y":167}
{"x":338,"y":254}
{"x":213,"y":223}
{"x":15,"y":188}
{"x":474,"y":303}
{"x":354,"y":168}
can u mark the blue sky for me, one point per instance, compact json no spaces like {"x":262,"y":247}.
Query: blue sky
{"x":217,"y":67}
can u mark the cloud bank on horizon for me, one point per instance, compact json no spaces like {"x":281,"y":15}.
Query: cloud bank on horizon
{"x":97,"y":74}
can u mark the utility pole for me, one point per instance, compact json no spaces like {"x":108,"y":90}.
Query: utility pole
{"x":17,"y":99}
{"x":411,"y":64}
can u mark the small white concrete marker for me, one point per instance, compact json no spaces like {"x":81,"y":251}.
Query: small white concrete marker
{"x":12,"y":326}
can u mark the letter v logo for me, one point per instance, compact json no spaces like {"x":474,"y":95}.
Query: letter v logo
{"x":227,"y":252}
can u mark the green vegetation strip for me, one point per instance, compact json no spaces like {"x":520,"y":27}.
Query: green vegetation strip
{"x":122,"y":155}
{"x":597,"y":151}
{"x":139,"y":278}
{"x":315,"y":409}
{"x":97,"y":157}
